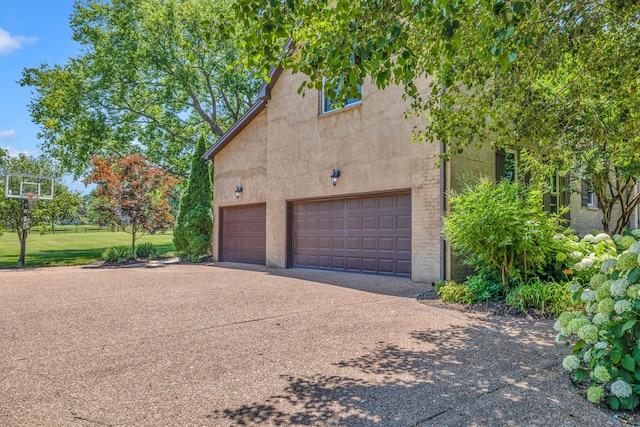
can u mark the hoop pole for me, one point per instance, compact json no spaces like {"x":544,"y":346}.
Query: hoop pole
{"x":23,"y":238}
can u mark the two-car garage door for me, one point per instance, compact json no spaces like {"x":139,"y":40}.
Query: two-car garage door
{"x":366,"y":234}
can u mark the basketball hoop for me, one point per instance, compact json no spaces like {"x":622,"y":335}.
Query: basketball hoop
{"x":31,"y":199}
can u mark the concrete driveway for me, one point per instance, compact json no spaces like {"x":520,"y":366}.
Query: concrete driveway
{"x":198,"y":345}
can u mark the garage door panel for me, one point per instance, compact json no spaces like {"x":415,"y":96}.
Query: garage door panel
{"x":370,"y":234}
{"x":244,"y":234}
{"x":369,"y":244}
{"x":404,"y":244}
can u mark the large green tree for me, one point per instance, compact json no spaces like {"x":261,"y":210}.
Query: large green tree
{"x":194,"y":224}
{"x":559,"y":79}
{"x":142,"y":79}
{"x":43,"y":213}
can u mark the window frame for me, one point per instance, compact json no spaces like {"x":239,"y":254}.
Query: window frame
{"x":514,"y":153}
{"x":592,"y":199}
{"x":325,"y":106}
{"x":554,"y":193}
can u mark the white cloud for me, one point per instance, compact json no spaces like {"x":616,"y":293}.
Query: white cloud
{"x":9,"y":43}
{"x":15,"y":152}
{"x":7,"y":134}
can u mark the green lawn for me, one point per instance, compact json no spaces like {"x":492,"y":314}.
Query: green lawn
{"x":71,"y":248}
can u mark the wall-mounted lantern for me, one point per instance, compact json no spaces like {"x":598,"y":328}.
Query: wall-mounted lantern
{"x":334,"y":176}
{"x":238,"y":191}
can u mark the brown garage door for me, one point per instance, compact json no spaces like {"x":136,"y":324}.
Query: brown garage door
{"x":369,"y":234}
{"x":243,"y":234}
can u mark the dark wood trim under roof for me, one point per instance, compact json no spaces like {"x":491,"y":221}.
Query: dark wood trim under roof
{"x":264,"y":95}
{"x":234,"y":130}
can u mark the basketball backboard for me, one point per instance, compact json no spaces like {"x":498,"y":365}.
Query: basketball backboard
{"x":25,"y":186}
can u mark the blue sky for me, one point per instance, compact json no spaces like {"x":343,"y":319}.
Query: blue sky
{"x":32,"y":32}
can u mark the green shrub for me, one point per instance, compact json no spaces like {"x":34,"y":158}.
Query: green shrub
{"x":606,"y":333}
{"x":501,"y":228}
{"x":194,"y":223}
{"x":117,"y":254}
{"x":485,"y":288}
{"x":453,"y":292}
{"x":146,"y":250}
{"x":548,"y":297}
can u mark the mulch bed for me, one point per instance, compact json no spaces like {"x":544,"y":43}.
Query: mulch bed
{"x":497,"y":308}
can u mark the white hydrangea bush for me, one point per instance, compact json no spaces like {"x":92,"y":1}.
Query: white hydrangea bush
{"x":583,"y":257}
{"x":605,"y":335}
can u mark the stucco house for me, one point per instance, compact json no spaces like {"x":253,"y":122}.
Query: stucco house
{"x":299,"y":184}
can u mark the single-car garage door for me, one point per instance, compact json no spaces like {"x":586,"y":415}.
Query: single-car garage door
{"x":243,"y":234}
{"x":368,"y":234}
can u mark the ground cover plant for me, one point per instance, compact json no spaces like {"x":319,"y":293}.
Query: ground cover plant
{"x":72,"y":248}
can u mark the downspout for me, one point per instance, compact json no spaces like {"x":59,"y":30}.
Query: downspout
{"x":443,"y":200}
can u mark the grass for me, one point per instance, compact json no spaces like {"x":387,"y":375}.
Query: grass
{"x":71,"y":248}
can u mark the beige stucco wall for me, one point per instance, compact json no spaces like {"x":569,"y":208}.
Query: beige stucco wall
{"x":241,"y":163}
{"x":369,"y":142}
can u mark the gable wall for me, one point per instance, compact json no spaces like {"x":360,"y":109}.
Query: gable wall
{"x":241,"y":163}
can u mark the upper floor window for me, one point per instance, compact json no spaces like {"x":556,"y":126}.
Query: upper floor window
{"x":330,"y":103}
{"x":511,"y":165}
{"x":506,"y":164}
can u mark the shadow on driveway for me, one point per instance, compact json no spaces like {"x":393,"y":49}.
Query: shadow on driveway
{"x":498,"y":372}
{"x":383,"y":285}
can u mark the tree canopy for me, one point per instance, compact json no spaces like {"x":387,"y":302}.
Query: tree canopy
{"x":44,"y":213}
{"x":143,"y":80}
{"x":132,"y":194}
{"x":558,"y":79}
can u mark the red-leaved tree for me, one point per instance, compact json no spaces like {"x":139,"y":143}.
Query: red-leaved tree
{"x":132,"y":194}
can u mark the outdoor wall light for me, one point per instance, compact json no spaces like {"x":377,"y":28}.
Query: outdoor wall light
{"x":334,"y":176}
{"x":238,"y":191}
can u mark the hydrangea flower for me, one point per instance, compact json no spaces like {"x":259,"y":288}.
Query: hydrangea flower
{"x":571,"y":363}
{"x":586,"y":263}
{"x":625,"y":242}
{"x":574,"y":287}
{"x":597,"y":280}
{"x":619,"y":287}
{"x":575,"y":255}
{"x":616,"y":238}
{"x":627,"y":261}
{"x":620,"y":389}
{"x":595,"y":394}
{"x":557,"y":326}
{"x":608,"y":265}
{"x":588,"y":295}
{"x":603,"y":292}
{"x":587,"y":356}
{"x":600,"y":345}
{"x":600,"y":319}
{"x":588,"y":238}
{"x":601,"y":373}
{"x":633,"y":291}
{"x":635,"y":232}
{"x":622,"y":306}
{"x":601,"y":238}
{"x":606,"y":306}
{"x":575,"y":325}
{"x":559,"y":338}
{"x":635,"y":248}
{"x":589,"y":333}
